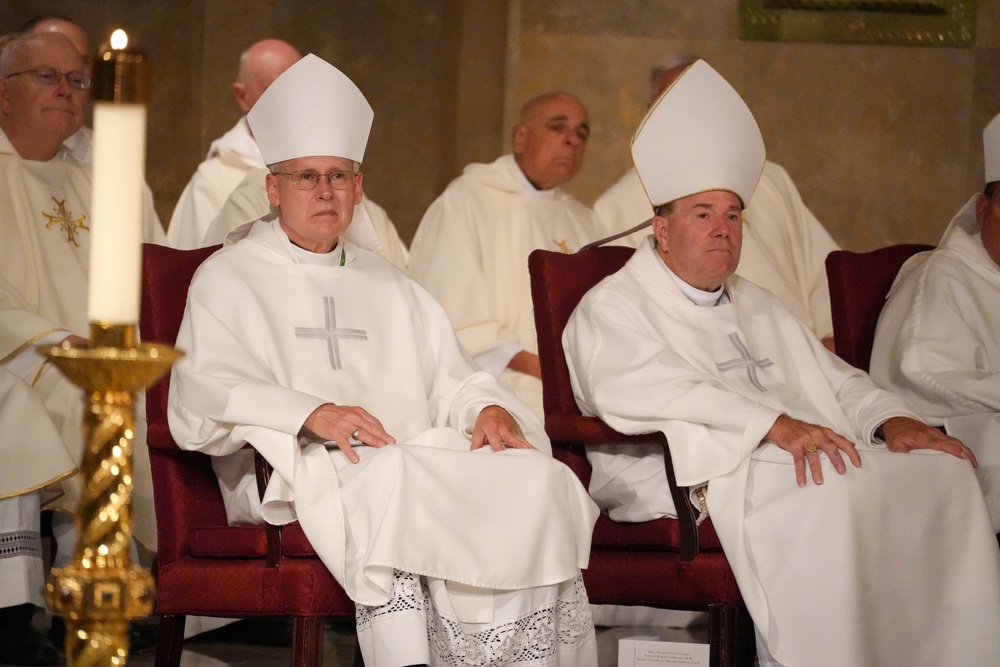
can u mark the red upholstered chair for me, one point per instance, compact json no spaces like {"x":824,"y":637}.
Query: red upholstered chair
{"x":204,"y":566}
{"x":667,"y":563}
{"x":859,"y":283}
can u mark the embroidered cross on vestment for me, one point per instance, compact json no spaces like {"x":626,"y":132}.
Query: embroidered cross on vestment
{"x":331,"y":333}
{"x":745,"y":361}
{"x":65,"y":220}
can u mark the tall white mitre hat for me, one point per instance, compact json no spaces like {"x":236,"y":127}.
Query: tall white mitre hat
{"x":311,"y":109}
{"x":698,"y":136}
{"x":991,"y":149}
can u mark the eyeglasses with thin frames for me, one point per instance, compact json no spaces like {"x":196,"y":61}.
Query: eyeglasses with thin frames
{"x":308,"y":179}
{"x":50,"y":77}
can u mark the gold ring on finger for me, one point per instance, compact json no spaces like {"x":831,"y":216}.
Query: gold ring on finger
{"x":357,"y":434}
{"x":811,"y":447}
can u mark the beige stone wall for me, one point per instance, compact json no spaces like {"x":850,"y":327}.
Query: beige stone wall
{"x":884,"y":142}
{"x":433,"y":72}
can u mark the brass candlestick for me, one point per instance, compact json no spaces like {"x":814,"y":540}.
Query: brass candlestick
{"x":100,"y":591}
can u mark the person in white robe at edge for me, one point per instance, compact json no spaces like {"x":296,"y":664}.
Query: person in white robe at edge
{"x":784,"y":245}
{"x":471,"y":248}
{"x":234,"y":154}
{"x":45,"y":246}
{"x":938,"y":338}
{"x":27,"y":483}
{"x":248,"y":201}
{"x":424,"y":485}
{"x":81,"y":142}
{"x":847,"y":550}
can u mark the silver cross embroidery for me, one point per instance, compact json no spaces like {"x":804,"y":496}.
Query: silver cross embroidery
{"x":745,"y":361}
{"x":331,"y":333}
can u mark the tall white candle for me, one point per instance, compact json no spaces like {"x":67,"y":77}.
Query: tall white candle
{"x":116,"y":209}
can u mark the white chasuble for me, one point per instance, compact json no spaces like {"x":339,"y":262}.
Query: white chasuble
{"x":33,"y":456}
{"x":784,"y":245}
{"x":33,"y":460}
{"x":269,"y":339}
{"x":44,"y":262}
{"x":471,"y":253}
{"x":864,"y":569}
{"x":938,"y":344}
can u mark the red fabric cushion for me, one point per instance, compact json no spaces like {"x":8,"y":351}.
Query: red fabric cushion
{"x":661,"y":534}
{"x":247,"y":542}
{"x":228,"y":542}
{"x":228,"y":587}
{"x":294,"y":542}
{"x":660,"y":580}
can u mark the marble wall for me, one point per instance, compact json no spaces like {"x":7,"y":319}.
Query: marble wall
{"x":883,"y":141}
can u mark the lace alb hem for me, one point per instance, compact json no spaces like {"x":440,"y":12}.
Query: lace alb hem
{"x":560,"y":627}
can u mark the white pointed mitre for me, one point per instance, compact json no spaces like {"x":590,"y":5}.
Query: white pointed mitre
{"x":698,"y":136}
{"x":991,"y":150}
{"x":311,"y":109}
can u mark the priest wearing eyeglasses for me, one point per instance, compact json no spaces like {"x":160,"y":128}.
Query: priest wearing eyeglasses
{"x":44,"y":257}
{"x":425,"y":487}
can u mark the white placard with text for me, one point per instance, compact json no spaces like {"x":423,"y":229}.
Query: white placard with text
{"x":650,"y":652}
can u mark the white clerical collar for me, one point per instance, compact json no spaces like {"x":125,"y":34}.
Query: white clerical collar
{"x":530,"y":190}
{"x":694,"y":295}
{"x":303,"y":256}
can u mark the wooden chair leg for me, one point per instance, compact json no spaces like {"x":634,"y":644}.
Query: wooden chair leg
{"x":170,"y":640}
{"x":731,"y":636}
{"x":307,"y":641}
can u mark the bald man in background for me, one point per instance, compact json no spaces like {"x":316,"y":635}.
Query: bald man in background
{"x":471,"y":249}
{"x":233,"y":155}
{"x":63,"y":26}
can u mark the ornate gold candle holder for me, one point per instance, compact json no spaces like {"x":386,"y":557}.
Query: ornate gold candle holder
{"x":101,"y":591}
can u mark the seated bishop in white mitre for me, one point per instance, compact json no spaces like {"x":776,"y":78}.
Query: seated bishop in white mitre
{"x":846,"y":550}
{"x":426,"y":488}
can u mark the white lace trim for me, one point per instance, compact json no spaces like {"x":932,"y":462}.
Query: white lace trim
{"x":536,"y":637}
{"x":407,"y":595}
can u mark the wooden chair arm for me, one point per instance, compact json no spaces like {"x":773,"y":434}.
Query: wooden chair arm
{"x":579,"y":430}
{"x":262,"y":470}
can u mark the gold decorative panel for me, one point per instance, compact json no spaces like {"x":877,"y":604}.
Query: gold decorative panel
{"x":914,"y":22}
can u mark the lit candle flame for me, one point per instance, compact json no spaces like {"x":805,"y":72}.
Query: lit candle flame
{"x":119,"y":40}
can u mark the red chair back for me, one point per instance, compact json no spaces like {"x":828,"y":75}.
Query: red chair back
{"x":558,"y":282}
{"x":204,"y":565}
{"x":186,"y":490}
{"x":859,"y":283}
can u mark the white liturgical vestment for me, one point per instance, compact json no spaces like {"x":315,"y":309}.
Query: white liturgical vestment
{"x":81,"y":145}
{"x":248,"y":201}
{"x":471,"y":253}
{"x":892,"y":563}
{"x":44,"y":260}
{"x":784,"y":245}
{"x":229,"y":159}
{"x":938,"y":344}
{"x":33,"y":459}
{"x":270,"y":338}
